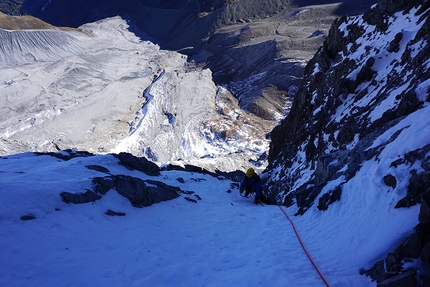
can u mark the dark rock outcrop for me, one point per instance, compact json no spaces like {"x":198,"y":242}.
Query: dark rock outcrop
{"x":407,"y":278}
{"x":98,"y":168}
{"x":27,"y":217}
{"x":139,"y":192}
{"x":79,"y":198}
{"x":144,"y":192}
{"x":417,"y":245}
{"x":138,"y":163}
{"x":390,"y":180}
{"x":67,"y":154}
{"x":114,"y":213}
{"x":233,"y":175}
{"x":413,"y":248}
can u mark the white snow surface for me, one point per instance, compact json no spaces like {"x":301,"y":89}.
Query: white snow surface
{"x":222,"y":240}
{"x":386,"y":63}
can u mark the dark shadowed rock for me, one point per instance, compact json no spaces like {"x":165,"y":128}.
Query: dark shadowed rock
{"x":424,"y":216}
{"x":419,"y":183}
{"x":409,"y":248}
{"x":406,"y":279}
{"x":101,"y":185}
{"x":395,"y":44}
{"x":425,"y":255}
{"x":236,"y":175}
{"x":98,"y":168}
{"x":67,"y":154}
{"x":114,"y":213}
{"x":425,"y":163}
{"x":139,"y":192}
{"x":330,"y":197}
{"x":422,"y":231}
{"x":28,"y":217}
{"x":144,"y":193}
{"x":376,"y":272}
{"x":138,"y":163}
{"x":190,"y":199}
{"x":78,"y":198}
{"x":392,"y":263}
{"x":390,"y":181}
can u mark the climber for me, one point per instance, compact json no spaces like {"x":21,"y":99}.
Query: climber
{"x":251,"y":183}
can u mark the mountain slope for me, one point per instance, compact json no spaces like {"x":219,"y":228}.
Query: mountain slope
{"x":208,"y":235}
{"x":220,"y":239}
{"x":100,"y":88}
{"x":359,"y":121}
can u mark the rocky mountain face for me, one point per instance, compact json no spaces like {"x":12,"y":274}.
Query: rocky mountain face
{"x":361,"y":110}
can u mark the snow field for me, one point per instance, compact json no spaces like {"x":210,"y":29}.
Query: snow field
{"x":223,"y":240}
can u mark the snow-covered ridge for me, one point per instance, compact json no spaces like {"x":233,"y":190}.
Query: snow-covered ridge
{"x":380,"y":87}
{"x":357,"y":139}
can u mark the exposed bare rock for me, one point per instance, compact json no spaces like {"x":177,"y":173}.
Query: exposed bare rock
{"x":359,"y":125}
{"x":25,"y":22}
{"x":335,"y":119}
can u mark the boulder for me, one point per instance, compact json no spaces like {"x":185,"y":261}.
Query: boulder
{"x":330,"y":197}
{"x":137,"y":163}
{"x":101,"y":185}
{"x":27,"y":217}
{"x":376,"y":272}
{"x":390,"y":180}
{"x":392,"y":264}
{"x":144,"y":193}
{"x":78,"y":198}
{"x":114,"y":213}
{"x":139,"y":192}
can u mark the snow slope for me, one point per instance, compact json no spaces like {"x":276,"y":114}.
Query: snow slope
{"x":359,"y":118}
{"x":222,"y":240}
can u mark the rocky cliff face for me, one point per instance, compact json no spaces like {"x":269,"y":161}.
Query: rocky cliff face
{"x":361,"y":111}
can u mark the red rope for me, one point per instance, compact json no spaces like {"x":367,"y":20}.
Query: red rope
{"x":303,"y":246}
